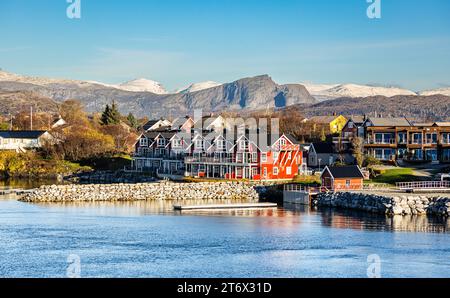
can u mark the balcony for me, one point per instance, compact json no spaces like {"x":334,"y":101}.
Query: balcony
{"x":218,"y":160}
{"x":159,"y":156}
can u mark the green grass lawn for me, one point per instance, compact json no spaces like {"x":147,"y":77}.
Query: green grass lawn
{"x":391,"y":176}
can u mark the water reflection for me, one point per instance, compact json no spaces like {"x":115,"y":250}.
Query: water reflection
{"x":357,"y":220}
{"x":27,"y":183}
{"x":287,"y":216}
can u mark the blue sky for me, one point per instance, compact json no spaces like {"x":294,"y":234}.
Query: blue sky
{"x":177,"y":42}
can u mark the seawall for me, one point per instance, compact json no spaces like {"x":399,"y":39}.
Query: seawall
{"x":141,"y":191}
{"x":392,"y":205}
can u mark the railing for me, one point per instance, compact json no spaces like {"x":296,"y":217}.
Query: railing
{"x":423,"y":185}
{"x":378,"y":186}
{"x":159,"y":156}
{"x":303,"y":188}
{"x":218,"y":160}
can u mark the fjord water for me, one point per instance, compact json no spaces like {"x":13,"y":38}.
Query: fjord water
{"x":148,"y":239}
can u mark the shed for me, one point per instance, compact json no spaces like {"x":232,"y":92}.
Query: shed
{"x":342,"y":178}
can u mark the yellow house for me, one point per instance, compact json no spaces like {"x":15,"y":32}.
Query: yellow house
{"x":336,"y":122}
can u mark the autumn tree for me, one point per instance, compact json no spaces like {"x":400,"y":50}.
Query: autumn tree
{"x":357,"y":150}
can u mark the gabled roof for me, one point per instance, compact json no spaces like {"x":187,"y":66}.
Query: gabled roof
{"x":356,"y":119}
{"x":21,"y":134}
{"x":151,"y":123}
{"x":292,"y":139}
{"x":344,"y":172}
{"x":324,"y":147}
{"x":389,"y":121}
{"x":323,"y":119}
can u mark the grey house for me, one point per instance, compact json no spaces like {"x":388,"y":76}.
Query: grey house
{"x":325,"y":154}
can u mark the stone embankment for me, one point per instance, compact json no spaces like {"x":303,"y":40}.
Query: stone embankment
{"x":141,"y":191}
{"x":395,"y":205}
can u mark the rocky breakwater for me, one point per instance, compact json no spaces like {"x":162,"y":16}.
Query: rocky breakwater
{"x":141,"y":191}
{"x":392,"y":205}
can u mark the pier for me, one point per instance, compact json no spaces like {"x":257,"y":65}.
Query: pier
{"x":14,"y":191}
{"x":225,"y":206}
{"x":299,"y":194}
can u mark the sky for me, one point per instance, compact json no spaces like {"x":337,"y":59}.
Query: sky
{"x":178,"y":42}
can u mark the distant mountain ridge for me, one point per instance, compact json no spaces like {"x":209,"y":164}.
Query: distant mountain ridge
{"x":324,"y":92}
{"x":244,"y":94}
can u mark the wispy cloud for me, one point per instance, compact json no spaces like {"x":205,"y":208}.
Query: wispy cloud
{"x":14,"y":49}
{"x":122,"y":63}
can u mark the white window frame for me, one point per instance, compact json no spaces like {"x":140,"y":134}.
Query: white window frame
{"x":263,"y":157}
{"x":143,"y":142}
{"x":242,"y":145}
{"x":288,"y":171}
{"x":176,"y":143}
{"x":275,"y":156}
{"x":220,"y":145}
{"x":161,"y":142}
{"x":275,"y":171}
{"x":254,"y":157}
{"x":198,"y":144}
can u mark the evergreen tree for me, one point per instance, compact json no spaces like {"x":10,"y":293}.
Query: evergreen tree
{"x":132,"y":120}
{"x":105,"y":115}
{"x":115,"y":114}
{"x":110,"y":115}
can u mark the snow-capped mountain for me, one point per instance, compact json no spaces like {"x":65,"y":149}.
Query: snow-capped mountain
{"x":442,"y":91}
{"x":138,"y":85}
{"x":198,"y":87}
{"x":143,"y":85}
{"x":332,"y":91}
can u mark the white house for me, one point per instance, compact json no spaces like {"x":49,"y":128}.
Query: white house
{"x":22,"y":140}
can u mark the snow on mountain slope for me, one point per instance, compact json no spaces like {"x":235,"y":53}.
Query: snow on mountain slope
{"x":198,"y":87}
{"x":331,"y":91}
{"x":143,"y":85}
{"x":139,"y":85}
{"x":443,"y":91}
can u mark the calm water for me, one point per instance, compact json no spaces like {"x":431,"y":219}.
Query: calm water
{"x":148,"y":239}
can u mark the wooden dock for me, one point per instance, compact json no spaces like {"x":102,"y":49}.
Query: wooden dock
{"x":225,"y":206}
{"x":14,"y":191}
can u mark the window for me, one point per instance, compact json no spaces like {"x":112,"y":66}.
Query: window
{"x":265,"y":172}
{"x":431,"y":138}
{"x":220,"y":145}
{"x":198,"y":144}
{"x":254,"y":171}
{"x":275,"y":156}
{"x":161,"y":142}
{"x":176,"y":143}
{"x":283,"y":142}
{"x":446,"y":138}
{"x":417,"y":138}
{"x":263,"y":157}
{"x":446,"y":155}
{"x":348,"y":183}
{"x":143,"y":142}
{"x":289,"y":155}
{"x":402,"y":138}
{"x":275,"y":171}
{"x":242,"y":145}
{"x":288,"y":171}
{"x":254,"y":157}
